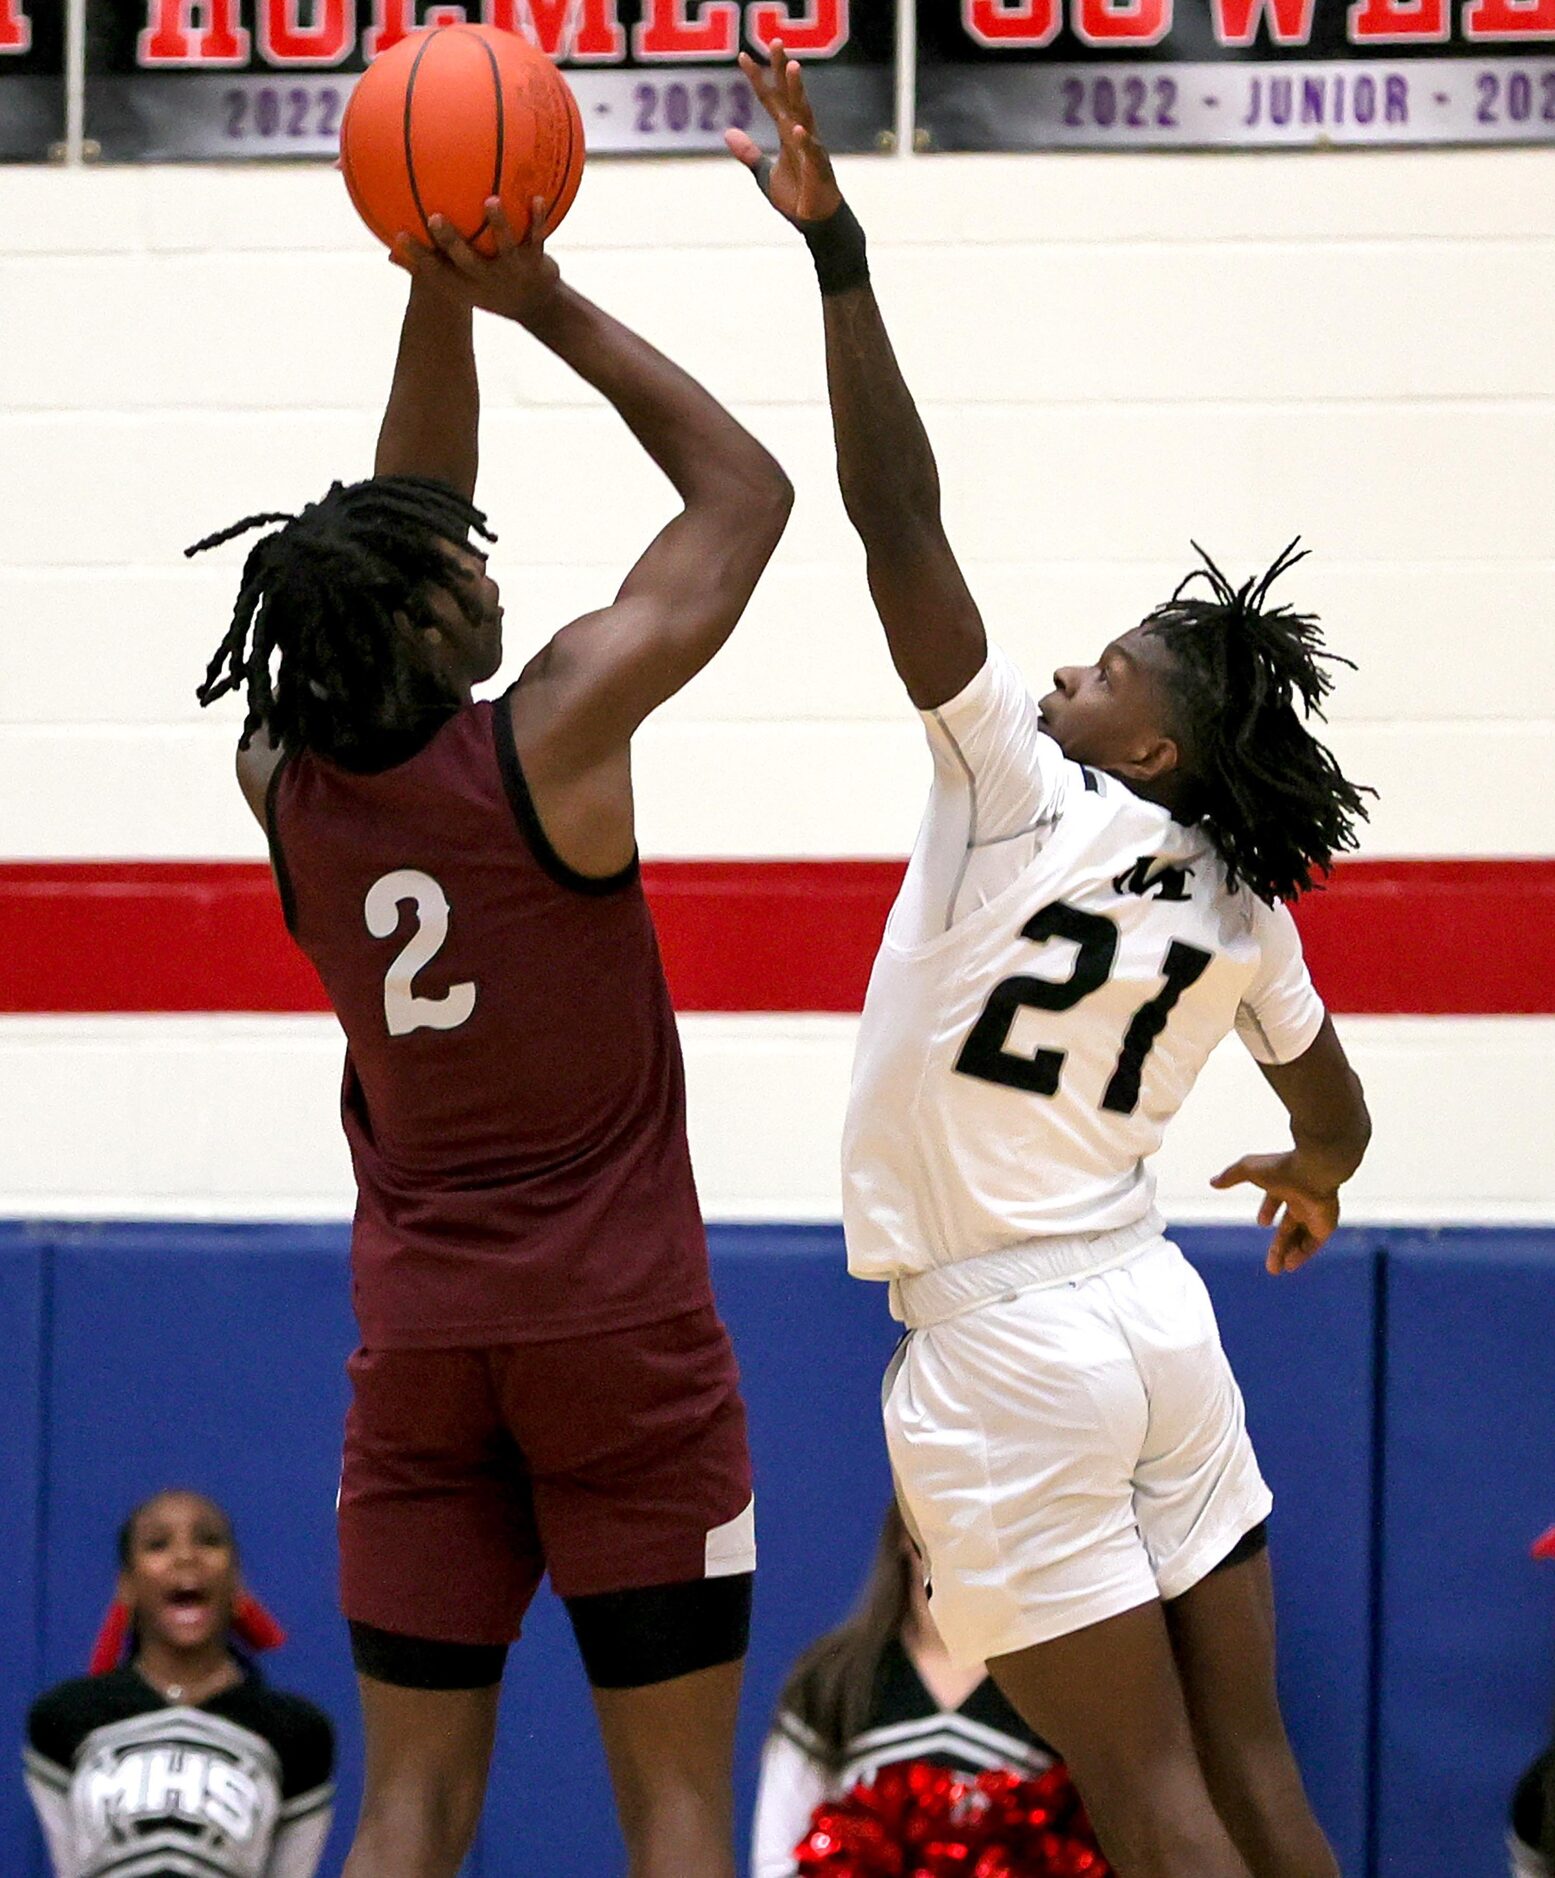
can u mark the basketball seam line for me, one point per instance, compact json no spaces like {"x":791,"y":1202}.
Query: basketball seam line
{"x":502,"y":116}
{"x":410,"y":166}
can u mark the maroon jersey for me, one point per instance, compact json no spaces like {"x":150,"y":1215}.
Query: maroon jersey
{"x":514,"y":1096}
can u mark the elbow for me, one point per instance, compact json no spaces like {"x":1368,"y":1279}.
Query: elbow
{"x":775,"y":486}
{"x":1348,"y":1143}
{"x":781,"y":501}
{"x":766,"y":498}
{"x":1358,"y":1129}
{"x":885,"y":516}
{"x":1362,"y":1129}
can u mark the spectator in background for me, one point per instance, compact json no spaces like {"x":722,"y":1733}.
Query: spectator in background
{"x":1532,"y":1835}
{"x":180,"y":1760}
{"x":878,"y":1690}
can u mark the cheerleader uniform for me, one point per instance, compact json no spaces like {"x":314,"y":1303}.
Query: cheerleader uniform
{"x":130,"y":1785}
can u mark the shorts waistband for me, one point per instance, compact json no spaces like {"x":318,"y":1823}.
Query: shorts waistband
{"x":925,"y":1298}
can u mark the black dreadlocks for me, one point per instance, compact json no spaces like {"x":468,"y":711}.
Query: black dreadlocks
{"x":318,"y":601}
{"x":1271,"y":798}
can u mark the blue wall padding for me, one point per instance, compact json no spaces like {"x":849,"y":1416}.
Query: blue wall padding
{"x":146,"y":1355}
{"x":22,"y":1343}
{"x":1302,"y":1346}
{"x":1468,"y":1620}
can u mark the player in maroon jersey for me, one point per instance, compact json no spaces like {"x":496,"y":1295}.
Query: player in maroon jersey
{"x":543,"y":1382}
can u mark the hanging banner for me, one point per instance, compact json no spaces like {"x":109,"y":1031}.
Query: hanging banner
{"x":32,"y":79}
{"x":249,"y":79}
{"x":1185,"y":74}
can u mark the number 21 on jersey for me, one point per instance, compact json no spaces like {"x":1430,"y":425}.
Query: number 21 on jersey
{"x":986,"y":1055}
{"x":404,"y":1009}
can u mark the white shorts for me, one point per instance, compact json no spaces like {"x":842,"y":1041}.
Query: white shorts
{"x":1071,"y":1452}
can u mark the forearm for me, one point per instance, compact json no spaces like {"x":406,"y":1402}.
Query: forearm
{"x":1322,"y":1096}
{"x":432,"y":423}
{"x":1334,"y":1149}
{"x":885,"y":463}
{"x":890,"y":488}
{"x":703,"y":451}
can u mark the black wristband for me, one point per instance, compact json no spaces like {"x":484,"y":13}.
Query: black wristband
{"x":839,"y":251}
{"x":837,"y":245}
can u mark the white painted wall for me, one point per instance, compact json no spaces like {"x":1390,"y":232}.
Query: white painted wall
{"x":1113,"y":353}
{"x":237,"y":1117}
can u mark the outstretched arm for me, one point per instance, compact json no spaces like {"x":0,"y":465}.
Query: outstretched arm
{"x":601,"y":676}
{"x":1330,"y":1129}
{"x":885,"y":464}
{"x":432,"y":422}
{"x":686,"y":593}
{"x":429,"y":428}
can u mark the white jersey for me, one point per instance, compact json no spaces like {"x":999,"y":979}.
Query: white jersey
{"x":1061,"y":961}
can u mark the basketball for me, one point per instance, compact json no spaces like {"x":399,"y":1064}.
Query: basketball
{"x":451,"y":116}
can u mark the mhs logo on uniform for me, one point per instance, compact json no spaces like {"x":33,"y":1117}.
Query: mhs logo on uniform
{"x":1167,"y":883}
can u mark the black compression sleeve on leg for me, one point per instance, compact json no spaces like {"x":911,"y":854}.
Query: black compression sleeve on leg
{"x":424,"y":1663}
{"x":629,"y":1639}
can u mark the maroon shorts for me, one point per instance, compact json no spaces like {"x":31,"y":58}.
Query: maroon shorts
{"x":614,"y":1462}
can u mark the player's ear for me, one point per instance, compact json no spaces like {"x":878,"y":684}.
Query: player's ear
{"x":1158,"y":758}
{"x":417,"y":635}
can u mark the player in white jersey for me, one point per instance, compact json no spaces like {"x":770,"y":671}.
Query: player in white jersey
{"x":1095,"y":900}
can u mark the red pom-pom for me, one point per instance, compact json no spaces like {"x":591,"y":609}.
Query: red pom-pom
{"x":921,"y":1821}
{"x":1544,"y":1546}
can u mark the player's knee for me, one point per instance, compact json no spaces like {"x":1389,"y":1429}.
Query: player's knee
{"x":1163,"y":1846}
{"x":1253,"y":1769}
{"x":678,"y":1829}
{"x":415,"y":1827}
{"x":1159,"y":1823}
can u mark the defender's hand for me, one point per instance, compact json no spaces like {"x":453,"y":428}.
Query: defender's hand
{"x":516,"y":282}
{"x":800,"y":183}
{"x":1310,"y":1204}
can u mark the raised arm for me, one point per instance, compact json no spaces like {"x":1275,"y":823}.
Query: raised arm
{"x":586,"y":693}
{"x":431,"y":425}
{"x":885,"y":464}
{"x":1330,"y":1129}
{"x":677,"y":606}
{"x":430,"y":428}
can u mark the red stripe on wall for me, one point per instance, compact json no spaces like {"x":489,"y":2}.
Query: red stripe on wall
{"x":1424,"y":937}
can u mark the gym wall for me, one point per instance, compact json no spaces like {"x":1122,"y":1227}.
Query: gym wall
{"x":1114,"y":355}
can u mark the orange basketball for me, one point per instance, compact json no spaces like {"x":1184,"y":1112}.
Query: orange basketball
{"x":451,"y":116}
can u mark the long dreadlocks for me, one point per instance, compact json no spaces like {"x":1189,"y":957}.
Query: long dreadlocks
{"x":1271,"y":798}
{"x":313,"y":640}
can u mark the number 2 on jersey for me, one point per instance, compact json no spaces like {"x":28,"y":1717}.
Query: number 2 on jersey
{"x":1095,"y":937}
{"x":404,"y":1010}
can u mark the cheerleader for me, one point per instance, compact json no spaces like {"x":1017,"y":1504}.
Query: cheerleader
{"x":174,"y":1758}
{"x":879,"y":1690}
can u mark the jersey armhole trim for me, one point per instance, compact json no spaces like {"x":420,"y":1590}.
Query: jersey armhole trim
{"x":522,"y":803}
{"x":283,"y":879}
{"x":46,"y":1772}
{"x":302,"y":1805}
